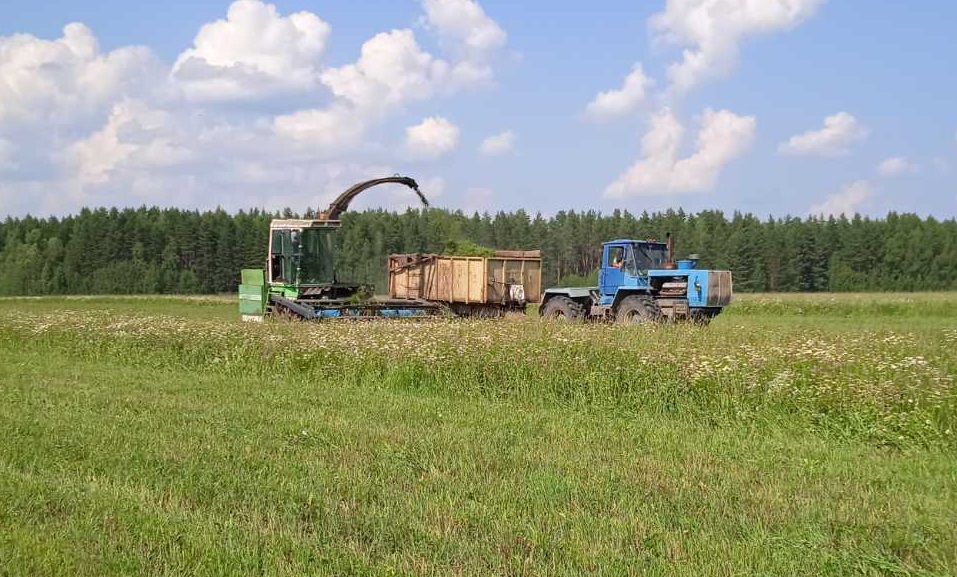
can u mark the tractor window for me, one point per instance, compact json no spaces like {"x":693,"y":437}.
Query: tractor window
{"x":317,"y":256}
{"x":280,"y":256}
{"x":650,"y":256}
{"x":616,"y":256}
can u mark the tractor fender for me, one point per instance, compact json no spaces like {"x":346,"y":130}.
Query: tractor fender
{"x":624,"y":292}
{"x":580,"y":295}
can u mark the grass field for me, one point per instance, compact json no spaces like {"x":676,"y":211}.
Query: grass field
{"x":796,"y":435}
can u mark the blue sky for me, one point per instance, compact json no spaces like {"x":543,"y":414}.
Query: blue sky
{"x":268,"y":125}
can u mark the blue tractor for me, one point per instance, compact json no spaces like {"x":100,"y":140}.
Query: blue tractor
{"x":640,"y":282}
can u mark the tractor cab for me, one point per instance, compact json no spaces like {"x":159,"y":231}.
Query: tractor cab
{"x":301,"y":252}
{"x":625,"y":263}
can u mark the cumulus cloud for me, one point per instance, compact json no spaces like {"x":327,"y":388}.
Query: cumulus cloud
{"x":391,"y":70}
{"x":847,"y":202}
{"x":895,"y":166}
{"x":710,"y":35}
{"x":613,"y":104}
{"x":433,"y":137}
{"x":135,"y":136}
{"x":711,"y":32}
{"x":723,"y":137}
{"x":335,"y":129}
{"x":465,"y":22}
{"x":469,"y":33}
{"x":68,"y":80}
{"x":82,"y":127}
{"x":498,"y":144}
{"x":834,"y":139}
{"x":253,"y":52}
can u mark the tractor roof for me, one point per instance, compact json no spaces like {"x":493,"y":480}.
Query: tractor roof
{"x":297,"y":223}
{"x":634,"y":240}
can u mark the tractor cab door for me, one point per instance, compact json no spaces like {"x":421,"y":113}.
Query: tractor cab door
{"x":611,"y":275}
{"x":282,"y":256}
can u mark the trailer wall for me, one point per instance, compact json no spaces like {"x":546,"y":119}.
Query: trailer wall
{"x":466,"y":279}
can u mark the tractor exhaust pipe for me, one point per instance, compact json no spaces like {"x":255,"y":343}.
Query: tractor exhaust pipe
{"x":670,"y":241}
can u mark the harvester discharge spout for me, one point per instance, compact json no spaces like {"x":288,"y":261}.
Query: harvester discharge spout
{"x":341,"y":204}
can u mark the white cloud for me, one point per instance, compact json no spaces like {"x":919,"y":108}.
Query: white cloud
{"x":135,"y":136}
{"x":253,"y":52}
{"x":896,"y":166}
{"x":467,"y":31}
{"x":68,"y":80}
{"x":336,"y":129}
{"x":391,"y":70}
{"x":433,"y":137}
{"x":723,"y":137}
{"x":85,"y":128}
{"x":849,"y":201}
{"x":834,"y":139}
{"x":498,"y":144}
{"x":711,"y":32}
{"x":613,"y":104}
{"x":465,"y":22}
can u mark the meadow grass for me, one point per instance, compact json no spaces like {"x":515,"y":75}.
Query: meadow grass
{"x":795,"y":435}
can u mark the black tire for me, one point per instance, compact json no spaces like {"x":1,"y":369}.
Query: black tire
{"x":637,"y":309}
{"x":562,"y":309}
{"x":702,"y":318}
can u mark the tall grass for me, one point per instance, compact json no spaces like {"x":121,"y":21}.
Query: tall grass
{"x":885,"y":386}
{"x":161,"y":436}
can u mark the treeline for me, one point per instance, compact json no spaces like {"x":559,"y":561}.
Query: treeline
{"x":152,"y":250}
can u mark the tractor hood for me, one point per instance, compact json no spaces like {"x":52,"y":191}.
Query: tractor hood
{"x":706,"y":288}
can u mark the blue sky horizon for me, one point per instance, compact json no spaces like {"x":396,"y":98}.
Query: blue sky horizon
{"x":785,"y":108}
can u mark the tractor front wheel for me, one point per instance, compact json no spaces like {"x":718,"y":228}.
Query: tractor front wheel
{"x":638,"y":310}
{"x":562,"y":309}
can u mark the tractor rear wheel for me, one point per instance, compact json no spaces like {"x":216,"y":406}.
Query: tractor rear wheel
{"x":638,"y":309}
{"x":562,"y":309}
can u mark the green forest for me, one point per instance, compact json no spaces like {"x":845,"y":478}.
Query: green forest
{"x":153,"y":250}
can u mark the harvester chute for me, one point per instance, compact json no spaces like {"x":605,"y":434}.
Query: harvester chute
{"x":341,"y":204}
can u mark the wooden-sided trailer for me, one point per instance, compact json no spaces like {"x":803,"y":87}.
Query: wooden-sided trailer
{"x":471,"y":286}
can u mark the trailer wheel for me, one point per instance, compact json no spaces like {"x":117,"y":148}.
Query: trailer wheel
{"x":637,"y":309}
{"x":562,"y":309}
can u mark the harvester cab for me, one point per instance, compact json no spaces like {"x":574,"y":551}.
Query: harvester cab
{"x":640,"y":281}
{"x":300,"y":279}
